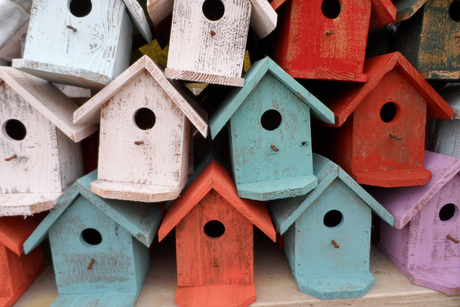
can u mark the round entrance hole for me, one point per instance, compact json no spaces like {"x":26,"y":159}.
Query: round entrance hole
{"x":144,"y":118}
{"x":214,"y":229}
{"x":454,"y":11}
{"x":332,"y":218}
{"x":388,"y":112}
{"x":271,"y":120}
{"x":91,"y":236}
{"x":331,"y":8}
{"x":447,"y":212}
{"x":15,"y":129}
{"x":213,"y":9}
{"x":80,"y":8}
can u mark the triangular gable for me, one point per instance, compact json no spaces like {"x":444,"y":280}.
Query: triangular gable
{"x":90,"y":112}
{"x":48,"y":100}
{"x":140,"y":219}
{"x":14,"y":231}
{"x":376,"y":68}
{"x":285,"y":212}
{"x":407,"y":8}
{"x":139,"y":19}
{"x":215,"y":177}
{"x":404,"y":203}
{"x":259,"y":69}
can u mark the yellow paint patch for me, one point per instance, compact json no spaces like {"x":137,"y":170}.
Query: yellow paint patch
{"x":247,"y":61}
{"x":155,"y":52}
{"x":41,"y":300}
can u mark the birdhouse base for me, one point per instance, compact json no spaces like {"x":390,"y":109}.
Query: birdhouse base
{"x":62,"y":74}
{"x":27,"y":203}
{"x":393,"y":179}
{"x":172,"y":73}
{"x":327,"y":75}
{"x":215,"y":296}
{"x":452,"y":76}
{"x":336,"y":285}
{"x":96,"y":299}
{"x":135,"y":192}
{"x":277,"y":189}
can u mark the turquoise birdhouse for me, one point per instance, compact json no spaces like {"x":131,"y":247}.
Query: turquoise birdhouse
{"x":327,"y":234}
{"x":99,"y":246}
{"x":270,"y":136}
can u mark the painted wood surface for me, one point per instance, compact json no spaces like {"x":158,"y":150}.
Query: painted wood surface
{"x":407,"y":8}
{"x":14,"y":16}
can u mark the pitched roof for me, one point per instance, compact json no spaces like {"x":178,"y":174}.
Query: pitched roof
{"x":14,"y":231}
{"x":407,"y":8}
{"x":215,"y":177}
{"x":48,"y":100}
{"x":376,"y":68}
{"x":259,"y":69}
{"x":139,"y":19}
{"x":285,"y":212}
{"x":141,"y":219}
{"x":404,"y":203}
{"x":91,"y":110}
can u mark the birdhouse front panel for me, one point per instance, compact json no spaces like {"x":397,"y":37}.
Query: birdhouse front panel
{"x":5,"y":277}
{"x":214,"y":245}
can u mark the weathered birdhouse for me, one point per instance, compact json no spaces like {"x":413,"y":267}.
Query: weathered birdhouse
{"x":39,"y":158}
{"x":326,"y":39}
{"x":381,"y":125}
{"x":208,"y":38}
{"x":81,"y":42}
{"x":18,"y":271}
{"x":144,"y":134}
{"x":327,"y":234}
{"x":214,"y":241}
{"x":99,"y":246}
{"x":270,"y":133}
{"x":424,"y":244}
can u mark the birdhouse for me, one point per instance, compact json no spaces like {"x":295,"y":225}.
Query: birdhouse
{"x":270,"y":133}
{"x":99,"y":246}
{"x":326,"y":39}
{"x":208,"y":38}
{"x":39,"y":158}
{"x":381,"y":125}
{"x":424,"y":244}
{"x":150,"y":120}
{"x":83,"y":43}
{"x":214,"y":241}
{"x":327,"y":234}
{"x":18,"y":271}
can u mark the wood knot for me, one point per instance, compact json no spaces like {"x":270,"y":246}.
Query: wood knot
{"x":449,"y":237}
{"x":395,"y":137}
{"x":139,"y":143}
{"x":71,"y":28}
{"x":11,"y":158}
{"x":329,"y":32}
{"x":213,"y":33}
{"x":335,"y":244}
{"x":90,"y":266}
{"x":274,"y":148}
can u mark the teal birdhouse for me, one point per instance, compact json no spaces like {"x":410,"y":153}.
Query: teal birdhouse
{"x":269,"y":127}
{"x":327,"y":234}
{"x":99,"y":246}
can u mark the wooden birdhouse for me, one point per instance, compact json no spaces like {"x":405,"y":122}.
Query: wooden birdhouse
{"x":326,"y":39}
{"x":83,"y":43}
{"x":270,"y":133}
{"x":381,"y":125}
{"x":208,"y":38}
{"x":424,"y":244}
{"x":17,"y":270}
{"x":99,"y":246}
{"x":214,"y":241}
{"x":39,"y":158}
{"x":149,"y":119}
{"x":327,"y":234}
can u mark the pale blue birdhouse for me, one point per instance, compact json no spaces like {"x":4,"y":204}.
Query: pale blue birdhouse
{"x":99,"y":246}
{"x":270,"y":133}
{"x":327,"y":234}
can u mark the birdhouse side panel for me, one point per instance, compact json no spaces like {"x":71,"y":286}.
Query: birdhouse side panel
{"x":142,"y":136}
{"x":29,"y":157}
{"x":209,"y":37}
{"x":389,"y":127}
{"x":395,"y":242}
{"x":289,"y":247}
{"x":5,"y":273}
{"x":141,"y":262}
{"x":70,"y":158}
{"x":271,"y":135}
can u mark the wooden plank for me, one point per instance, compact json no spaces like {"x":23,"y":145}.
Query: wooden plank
{"x":139,"y":19}
{"x":263,"y":18}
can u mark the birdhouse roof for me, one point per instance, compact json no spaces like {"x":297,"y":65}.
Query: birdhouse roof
{"x":404,"y":203}
{"x":407,"y":8}
{"x":48,"y":100}
{"x":91,"y":110}
{"x":139,"y":19}
{"x":286,"y":211}
{"x":14,"y":231}
{"x":140,"y":219}
{"x":376,"y":68}
{"x":451,"y":94}
{"x":215,"y":177}
{"x":236,"y":97}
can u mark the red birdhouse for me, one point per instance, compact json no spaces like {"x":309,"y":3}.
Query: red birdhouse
{"x":380,"y":137}
{"x":214,"y":241}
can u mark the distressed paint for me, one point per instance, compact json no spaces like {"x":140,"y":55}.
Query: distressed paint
{"x":14,"y":16}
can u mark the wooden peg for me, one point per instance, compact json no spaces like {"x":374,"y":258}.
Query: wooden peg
{"x":139,"y":143}
{"x":335,"y":244}
{"x":329,"y":32}
{"x":216,"y":263}
{"x":213,"y":33}
{"x":449,"y":237}
{"x":396,"y":137}
{"x":11,"y":158}
{"x":274,"y":148}
{"x":71,"y":28}
{"x":90,"y":266}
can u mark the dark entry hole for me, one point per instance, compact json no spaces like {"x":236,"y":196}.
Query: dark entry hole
{"x":213,"y":9}
{"x":454,"y":11}
{"x":271,"y":120}
{"x":214,"y":229}
{"x":332,"y":218}
{"x":388,"y":112}
{"x":331,"y":8}
{"x":447,"y":212}
{"x":145,"y":118}
{"x":91,"y":236}
{"x":80,"y":8}
{"x":15,"y":129}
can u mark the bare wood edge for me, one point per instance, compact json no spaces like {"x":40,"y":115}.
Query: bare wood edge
{"x":263,"y":18}
{"x":173,"y":73}
{"x":403,"y":14}
{"x":327,"y":75}
{"x":20,"y":207}
{"x":159,"y":10}
{"x":137,"y":15}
